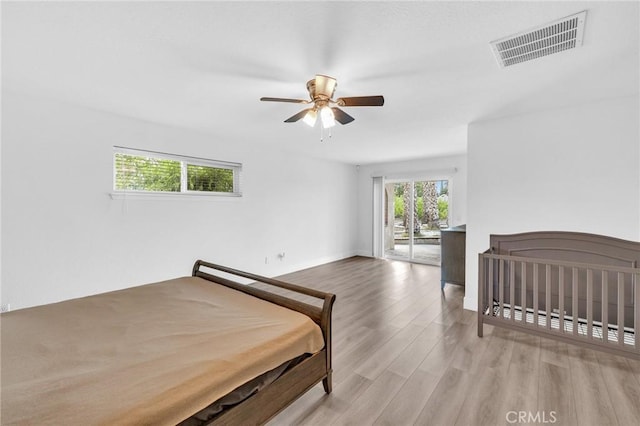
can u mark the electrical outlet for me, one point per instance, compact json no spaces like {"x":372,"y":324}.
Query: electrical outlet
{"x":5,"y":307}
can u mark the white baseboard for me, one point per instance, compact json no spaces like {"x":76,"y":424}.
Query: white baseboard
{"x":310,"y":264}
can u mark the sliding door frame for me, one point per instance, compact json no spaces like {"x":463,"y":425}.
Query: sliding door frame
{"x":379,"y":183}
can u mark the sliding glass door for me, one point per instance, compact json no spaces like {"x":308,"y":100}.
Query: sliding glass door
{"x":414,"y":213}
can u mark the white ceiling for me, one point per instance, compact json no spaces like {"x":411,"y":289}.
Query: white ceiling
{"x":204,"y":65}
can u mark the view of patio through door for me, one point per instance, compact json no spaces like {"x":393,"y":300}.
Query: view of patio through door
{"x":414,"y":213}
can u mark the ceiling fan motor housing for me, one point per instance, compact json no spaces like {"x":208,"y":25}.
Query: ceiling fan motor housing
{"x":321,"y":88}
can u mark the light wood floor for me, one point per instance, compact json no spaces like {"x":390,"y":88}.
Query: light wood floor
{"x":405,"y":353}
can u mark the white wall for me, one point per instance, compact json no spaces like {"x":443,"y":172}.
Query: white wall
{"x":427,"y":168}
{"x":63,"y":236}
{"x":572,"y":169}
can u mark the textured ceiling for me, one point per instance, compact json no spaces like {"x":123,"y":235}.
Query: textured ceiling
{"x":204,"y":65}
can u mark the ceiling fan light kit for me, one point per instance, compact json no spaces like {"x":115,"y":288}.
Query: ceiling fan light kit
{"x":321,"y":90}
{"x":327,"y":117}
{"x":310,"y":117}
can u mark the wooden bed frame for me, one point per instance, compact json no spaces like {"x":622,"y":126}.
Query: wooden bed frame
{"x":269,"y":401}
{"x":575,"y":287}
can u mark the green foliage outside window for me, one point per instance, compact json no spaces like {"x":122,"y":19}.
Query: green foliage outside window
{"x":140,"y":173}
{"x":443,"y":207}
{"x":203,"y":178}
{"x":136,"y":173}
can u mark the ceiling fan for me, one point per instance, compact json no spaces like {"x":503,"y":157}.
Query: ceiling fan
{"x":321,"y":90}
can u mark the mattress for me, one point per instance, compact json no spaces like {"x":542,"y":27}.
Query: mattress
{"x":153,"y":354}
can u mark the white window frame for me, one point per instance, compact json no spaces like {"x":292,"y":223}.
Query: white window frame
{"x":184,"y":161}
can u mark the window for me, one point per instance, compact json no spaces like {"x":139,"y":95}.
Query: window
{"x":154,"y":172}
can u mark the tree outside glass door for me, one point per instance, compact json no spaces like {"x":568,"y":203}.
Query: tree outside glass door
{"x":415,"y":211}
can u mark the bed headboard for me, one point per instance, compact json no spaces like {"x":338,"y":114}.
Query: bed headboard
{"x":569,"y":246}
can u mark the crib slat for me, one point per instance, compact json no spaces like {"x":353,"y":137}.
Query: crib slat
{"x":523,"y":296}
{"x":590,"y":304}
{"x":636,"y":307}
{"x":501,"y":287}
{"x":512,"y":292}
{"x":621,"y":308}
{"x":490,"y":286}
{"x":535,"y":295}
{"x":548,"y":295}
{"x":605,"y":306}
{"x":561,"y":297}
{"x":574,"y":300}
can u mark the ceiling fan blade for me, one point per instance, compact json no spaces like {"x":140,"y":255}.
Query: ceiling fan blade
{"x":298,"y":116}
{"x":361,"y":101}
{"x":295,"y":101}
{"x":341,"y":116}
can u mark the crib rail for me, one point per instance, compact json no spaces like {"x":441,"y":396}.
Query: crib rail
{"x":596,"y":306}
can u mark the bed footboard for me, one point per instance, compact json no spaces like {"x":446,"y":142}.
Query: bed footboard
{"x":579,"y":288}
{"x":263,"y":405}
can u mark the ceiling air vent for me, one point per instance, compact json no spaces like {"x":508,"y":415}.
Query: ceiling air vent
{"x":563,"y":34}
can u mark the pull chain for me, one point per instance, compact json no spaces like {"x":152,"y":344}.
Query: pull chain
{"x":322,"y":133}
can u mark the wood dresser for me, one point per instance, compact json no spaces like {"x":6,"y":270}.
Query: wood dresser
{"x":453,"y":246}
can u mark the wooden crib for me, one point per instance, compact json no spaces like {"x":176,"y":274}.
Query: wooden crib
{"x":576,"y":287}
